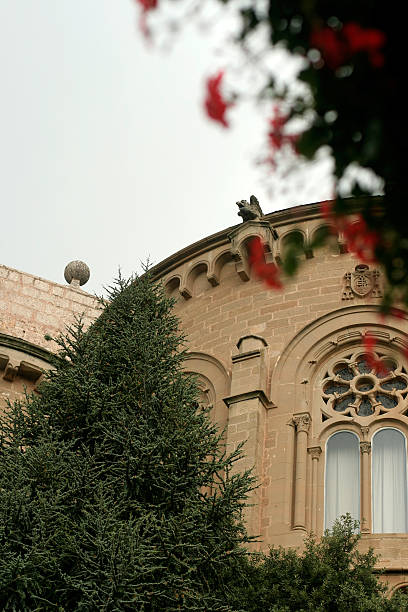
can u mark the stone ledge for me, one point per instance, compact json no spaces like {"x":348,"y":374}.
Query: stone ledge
{"x":242,"y":397}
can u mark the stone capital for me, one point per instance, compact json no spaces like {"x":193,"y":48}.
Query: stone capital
{"x":315,"y":452}
{"x":365,"y":447}
{"x":302,"y":422}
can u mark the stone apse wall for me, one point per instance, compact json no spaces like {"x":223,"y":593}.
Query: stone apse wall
{"x":279,"y":369}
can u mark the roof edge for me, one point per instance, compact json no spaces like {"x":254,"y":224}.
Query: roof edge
{"x":294,"y":214}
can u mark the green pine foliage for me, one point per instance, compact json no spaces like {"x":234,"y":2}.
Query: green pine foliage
{"x":116,"y":492}
{"x":330,"y":575}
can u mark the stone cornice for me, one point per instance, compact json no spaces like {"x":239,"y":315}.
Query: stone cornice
{"x":304,"y":212}
{"x":294,"y":215}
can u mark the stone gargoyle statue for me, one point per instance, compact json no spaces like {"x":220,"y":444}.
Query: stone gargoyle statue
{"x":249,"y":210}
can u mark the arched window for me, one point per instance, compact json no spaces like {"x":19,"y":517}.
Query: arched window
{"x":342,"y":477}
{"x":389,"y":482}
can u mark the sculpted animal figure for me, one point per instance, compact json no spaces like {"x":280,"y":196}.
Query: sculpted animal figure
{"x":251,"y":210}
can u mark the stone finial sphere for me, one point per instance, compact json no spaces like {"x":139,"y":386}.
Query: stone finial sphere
{"x":77,"y":271}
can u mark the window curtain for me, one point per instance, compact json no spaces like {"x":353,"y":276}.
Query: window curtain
{"x":389,"y":482}
{"x":342,"y":477}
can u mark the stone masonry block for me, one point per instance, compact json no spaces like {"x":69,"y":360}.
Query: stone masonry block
{"x":14,"y":276}
{"x":41,"y":285}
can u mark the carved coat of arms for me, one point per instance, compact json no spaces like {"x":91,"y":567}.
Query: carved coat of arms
{"x":362,"y":282}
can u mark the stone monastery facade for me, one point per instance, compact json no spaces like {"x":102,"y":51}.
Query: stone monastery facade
{"x":283,"y":370}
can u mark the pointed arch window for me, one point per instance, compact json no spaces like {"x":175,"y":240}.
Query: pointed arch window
{"x":342,"y":477}
{"x":389,"y":482}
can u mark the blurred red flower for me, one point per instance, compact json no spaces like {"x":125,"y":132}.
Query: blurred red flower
{"x":148,"y":5}
{"x":369,"y":40}
{"x":214,"y":103}
{"x":338,"y":46}
{"x":268,"y":272}
{"x":326,"y":209}
{"x":277,"y":137}
{"x":359,"y":239}
{"x":398,"y":313}
{"x":330,"y":45}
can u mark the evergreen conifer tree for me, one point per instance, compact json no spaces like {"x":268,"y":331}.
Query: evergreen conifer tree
{"x":116,"y":491}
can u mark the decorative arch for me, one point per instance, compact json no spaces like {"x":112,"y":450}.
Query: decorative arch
{"x":216,"y":266}
{"x":314,"y":232}
{"x":312,"y":363}
{"x":403,"y":586}
{"x":333,"y":242}
{"x":214,"y":379}
{"x":297,"y":234}
{"x":199,"y":269}
{"x":244,"y":243}
{"x":241,"y":235}
{"x":172,"y":286}
{"x":298,"y":374}
{"x":292,"y":230}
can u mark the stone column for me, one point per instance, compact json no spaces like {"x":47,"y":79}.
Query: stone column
{"x":289,"y":475}
{"x":365,"y":510}
{"x":302,"y":422}
{"x":314,"y":452}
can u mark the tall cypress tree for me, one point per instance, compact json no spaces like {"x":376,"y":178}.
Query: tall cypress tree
{"x":116,"y":491}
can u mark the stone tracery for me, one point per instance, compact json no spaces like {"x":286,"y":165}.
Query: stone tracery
{"x":352,"y":388}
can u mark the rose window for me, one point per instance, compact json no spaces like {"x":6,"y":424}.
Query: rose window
{"x":352,"y":388}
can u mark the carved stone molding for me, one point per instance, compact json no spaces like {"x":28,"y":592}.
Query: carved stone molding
{"x":363,"y":282}
{"x":302,"y":422}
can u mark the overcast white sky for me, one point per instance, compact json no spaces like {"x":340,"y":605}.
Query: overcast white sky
{"x":105,"y":152}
